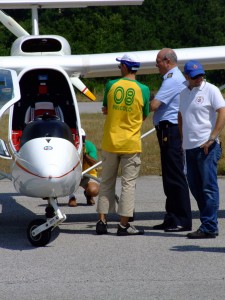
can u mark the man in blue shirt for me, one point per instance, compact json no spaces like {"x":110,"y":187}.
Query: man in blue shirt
{"x":165,"y":106}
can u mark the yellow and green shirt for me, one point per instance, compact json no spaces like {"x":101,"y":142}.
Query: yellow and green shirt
{"x":127,"y":102}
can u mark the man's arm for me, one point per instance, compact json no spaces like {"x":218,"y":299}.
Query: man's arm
{"x":91,"y":161}
{"x":220,"y":123}
{"x":104,"y":110}
{"x":154,"y":104}
{"x":180,"y":123}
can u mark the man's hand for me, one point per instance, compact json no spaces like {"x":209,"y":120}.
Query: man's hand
{"x":104,"y":110}
{"x":207,"y":145}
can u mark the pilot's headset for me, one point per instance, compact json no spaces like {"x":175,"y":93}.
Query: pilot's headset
{"x":83,"y":134}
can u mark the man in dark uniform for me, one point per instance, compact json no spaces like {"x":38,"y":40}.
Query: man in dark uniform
{"x":165,"y":106}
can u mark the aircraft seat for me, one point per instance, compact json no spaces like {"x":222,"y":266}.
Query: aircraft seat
{"x":40,"y":108}
{"x":76,"y":138}
{"x":16,"y":135}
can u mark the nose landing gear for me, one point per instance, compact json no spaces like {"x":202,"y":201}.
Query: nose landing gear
{"x":39,"y":230}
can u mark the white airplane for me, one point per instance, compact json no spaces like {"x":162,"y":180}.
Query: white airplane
{"x":36,"y":82}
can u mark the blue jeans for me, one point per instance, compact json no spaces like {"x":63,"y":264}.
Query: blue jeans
{"x":202,"y":180}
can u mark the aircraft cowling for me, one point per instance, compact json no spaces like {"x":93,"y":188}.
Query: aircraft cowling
{"x":47,"y":164}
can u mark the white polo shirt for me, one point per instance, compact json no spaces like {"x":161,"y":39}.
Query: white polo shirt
{"x":198,"y":109}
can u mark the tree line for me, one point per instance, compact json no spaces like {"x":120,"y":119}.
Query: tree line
{"x":153,"y":25}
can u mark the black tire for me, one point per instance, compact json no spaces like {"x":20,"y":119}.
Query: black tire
{"x":43,"y":238}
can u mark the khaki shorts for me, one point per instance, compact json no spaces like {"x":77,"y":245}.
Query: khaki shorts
{"x":130,"y":167}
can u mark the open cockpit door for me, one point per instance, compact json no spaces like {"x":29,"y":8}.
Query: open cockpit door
{"x":44,"y":91}
{"x":9,"y":94}
{"x":9,"y":89}
{"x":4,"y":153}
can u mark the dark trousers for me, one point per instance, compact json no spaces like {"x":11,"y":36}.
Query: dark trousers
{"x":178,"y":206}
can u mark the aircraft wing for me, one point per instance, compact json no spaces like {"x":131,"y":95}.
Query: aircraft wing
{"x":25,"y":4}
{"x":89,"y":65}
{"x":105,"y":65}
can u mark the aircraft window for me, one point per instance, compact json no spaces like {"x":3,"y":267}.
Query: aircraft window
{"x":6,"y":85}
{"x":41,"y":45}
{"x":42,"y":77}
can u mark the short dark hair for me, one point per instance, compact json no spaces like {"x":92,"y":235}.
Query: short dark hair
{"x":130,"y":70}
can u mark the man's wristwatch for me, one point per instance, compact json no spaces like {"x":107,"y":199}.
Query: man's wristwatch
{"x":211,"y":139}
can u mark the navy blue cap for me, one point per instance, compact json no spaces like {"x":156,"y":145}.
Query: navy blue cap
{"x":193,"y":68}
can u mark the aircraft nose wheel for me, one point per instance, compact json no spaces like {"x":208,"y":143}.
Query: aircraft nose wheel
{"x":40,"y":239}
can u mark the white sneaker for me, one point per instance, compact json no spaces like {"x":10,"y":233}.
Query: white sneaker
{"x":128,"y":230}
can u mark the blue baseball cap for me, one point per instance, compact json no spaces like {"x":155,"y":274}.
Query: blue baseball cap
{"x":130,"y":60}
{"x":193,"y":68}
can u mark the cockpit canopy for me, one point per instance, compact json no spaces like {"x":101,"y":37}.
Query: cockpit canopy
{"x":46,"y":126}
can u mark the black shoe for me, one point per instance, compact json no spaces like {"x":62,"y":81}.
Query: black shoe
{"x":128,"y":230}
{"x":160,"y":227}
{"x":101,"y":227}
{"x":201,"y":235}
{"x":177,"y":229}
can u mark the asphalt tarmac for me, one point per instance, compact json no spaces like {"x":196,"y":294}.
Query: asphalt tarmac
{"x":90,"y":107}
{"x":78,"y":264}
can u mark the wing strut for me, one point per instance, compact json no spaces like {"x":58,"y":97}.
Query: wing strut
{"x":35,"y":28}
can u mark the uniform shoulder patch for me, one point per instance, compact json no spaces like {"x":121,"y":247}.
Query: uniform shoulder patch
{"x":169,"y":75}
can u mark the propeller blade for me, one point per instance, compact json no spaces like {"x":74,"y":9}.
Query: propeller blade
{"x":12,"y":25}
{"x":82,"y":87}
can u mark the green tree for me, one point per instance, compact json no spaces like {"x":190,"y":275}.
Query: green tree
{"x":153,"y":25}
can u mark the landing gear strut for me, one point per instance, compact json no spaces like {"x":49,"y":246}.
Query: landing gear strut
{"x":39,"y":230}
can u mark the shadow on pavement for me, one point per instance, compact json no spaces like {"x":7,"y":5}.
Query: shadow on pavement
{"x":190,"y":248}
{"x":14,"y":220}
